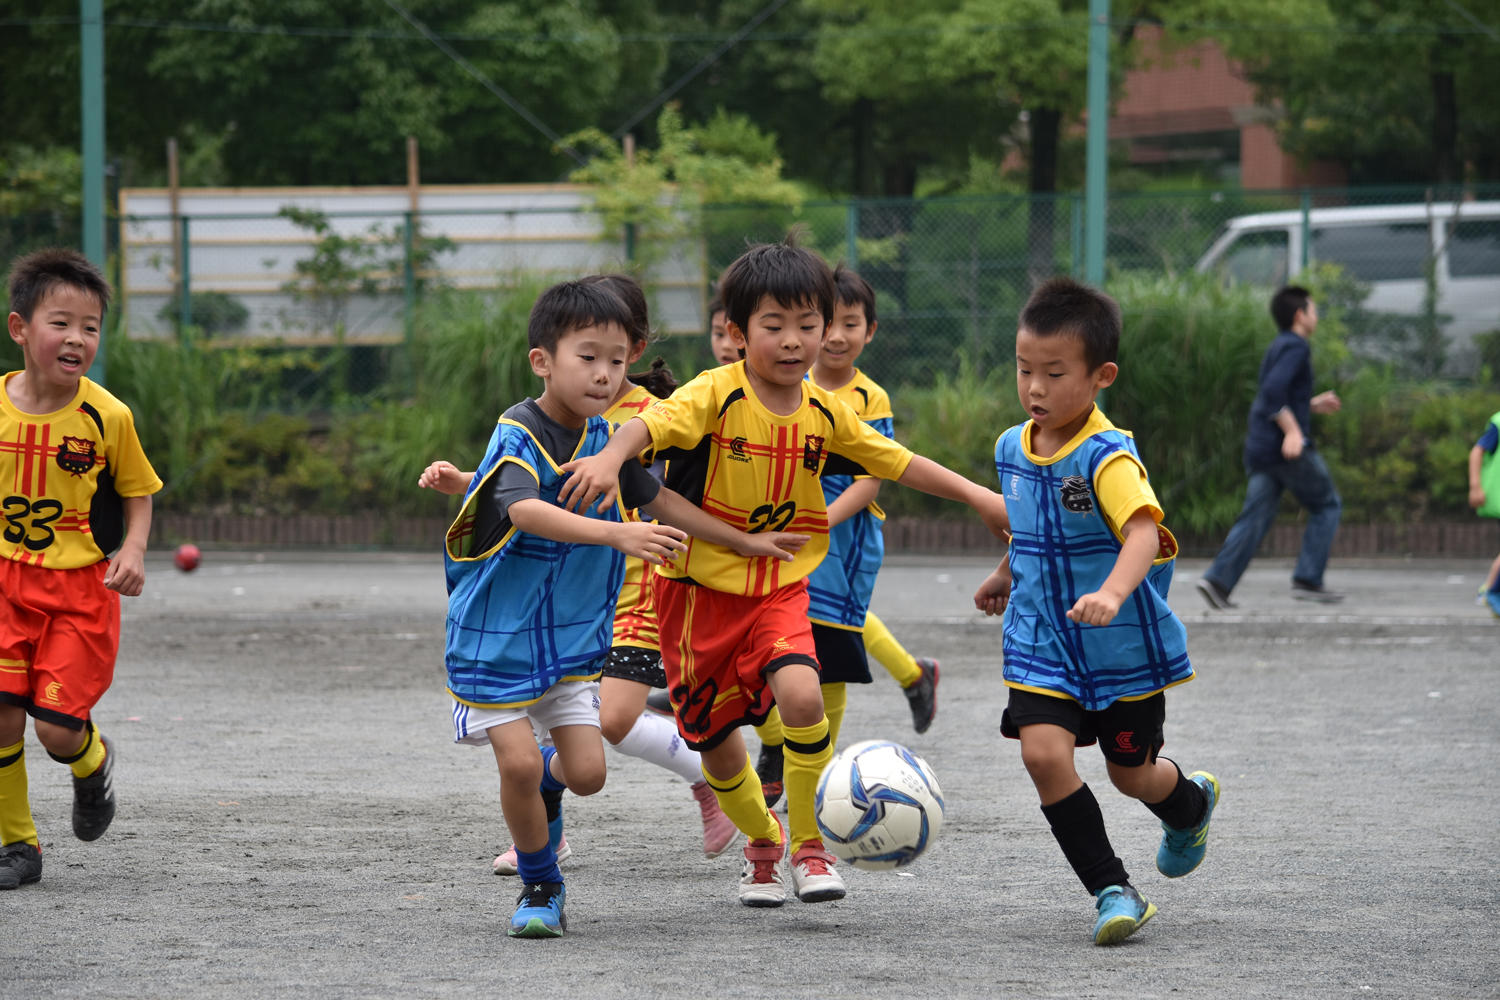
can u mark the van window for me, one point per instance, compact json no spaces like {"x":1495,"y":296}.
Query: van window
{"x":1256,"y":258}
{"x":1395,"y":251}
{"x":1474,"y":249}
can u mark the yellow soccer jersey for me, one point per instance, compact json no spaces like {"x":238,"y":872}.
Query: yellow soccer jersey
{"x":760,"y":471}
{"x":63,"y":476}
{"x":635,"y":615}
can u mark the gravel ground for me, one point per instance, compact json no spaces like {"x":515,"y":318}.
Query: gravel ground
{"x":294,"y":820}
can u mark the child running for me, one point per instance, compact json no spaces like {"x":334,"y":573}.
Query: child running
{"x":532,"y":586}
{"x":1484,"y":497}
{"x":839,"y":590}
{"x":1090,"y":644}
{"x":634,"y":664}
{"x":79,"y":510}
{"x":749,"y":442}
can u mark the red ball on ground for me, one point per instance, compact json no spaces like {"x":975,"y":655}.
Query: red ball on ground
{"x":187,"y":558}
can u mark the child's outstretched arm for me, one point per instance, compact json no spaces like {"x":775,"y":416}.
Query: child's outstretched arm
{"x":928,"y":476}
{"x":1131,"y":566}
{"x":655,"y":543}
{"x":860,"y":494}
{"x":595,"y":479}
{"x":1476,"y":489}
{"x":677,"y":510}
{"x":127,"y":570}
{"x":445,"y":477}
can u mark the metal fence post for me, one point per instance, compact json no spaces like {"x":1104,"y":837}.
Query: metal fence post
{"x":1306,"y":231}
{"x":851,"y":234}
{"x":185,"y":286}
{"x":409,"y":278}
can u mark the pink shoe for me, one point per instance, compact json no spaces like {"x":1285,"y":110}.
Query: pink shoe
{"x":719,"y":831}
{"x":505,"y":864}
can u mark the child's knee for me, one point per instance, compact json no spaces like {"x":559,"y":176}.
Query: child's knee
{"x":615,"y":724}
{"x":59,"y":740}
{"x":588,"y":779}
{"x":1046,"y":760}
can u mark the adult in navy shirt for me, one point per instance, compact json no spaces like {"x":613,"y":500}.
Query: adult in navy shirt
{"x":1279,"y":455}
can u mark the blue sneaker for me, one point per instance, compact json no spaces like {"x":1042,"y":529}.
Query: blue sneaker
{"x":1182,"y":850}
{"x":539,"y":911}
{"x":1122,"y":912}
{"x":1492,"y":598}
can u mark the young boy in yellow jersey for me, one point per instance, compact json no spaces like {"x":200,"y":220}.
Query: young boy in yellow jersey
{"x":839,"y":590}
{"x":77,"y":499}
{"x":749,"y":442}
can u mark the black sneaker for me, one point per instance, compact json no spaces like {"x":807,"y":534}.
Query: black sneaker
{"x":20,"y":863}
{"x":94,"y":798}
{"x":768,"y":770}
{"x":1304,"y":591}
{"x":658,"y":702}
{"x":921,"y":697}
{"x":1216,"y":596}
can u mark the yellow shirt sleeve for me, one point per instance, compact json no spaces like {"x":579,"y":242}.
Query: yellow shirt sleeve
{"x":1122,"y":489}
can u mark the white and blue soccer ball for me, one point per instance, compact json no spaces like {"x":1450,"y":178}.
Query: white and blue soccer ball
{"x":878,"y":805}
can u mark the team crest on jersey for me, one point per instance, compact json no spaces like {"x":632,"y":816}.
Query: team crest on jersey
{"x":1075,"y":495}
{"x":812,"y":452}
{"x":75,"y":455}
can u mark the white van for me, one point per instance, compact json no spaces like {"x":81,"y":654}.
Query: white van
{"x":1387,"y":247}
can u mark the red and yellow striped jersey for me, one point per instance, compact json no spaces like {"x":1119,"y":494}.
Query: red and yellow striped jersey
{"x":760,"y":471}
{"x":63,"y":475}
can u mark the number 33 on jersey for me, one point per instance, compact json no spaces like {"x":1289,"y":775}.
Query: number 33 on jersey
{"x":62,"y":478}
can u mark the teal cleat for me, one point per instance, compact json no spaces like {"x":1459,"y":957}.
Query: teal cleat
{"x":1122,"y":912}
{"x":1492,"y":598}
{"x":1182,"y":850}
{"x":539,"y":911}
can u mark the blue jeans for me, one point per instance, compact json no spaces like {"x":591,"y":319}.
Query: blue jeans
{"x":1310,"y":483}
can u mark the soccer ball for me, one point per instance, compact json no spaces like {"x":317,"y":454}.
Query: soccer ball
{"x":878,"y":805}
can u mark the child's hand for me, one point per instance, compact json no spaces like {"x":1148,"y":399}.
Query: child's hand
{"x":126,"y":573}
{"x":1476,"y":497}
{"x":1098,"y":608}
{"x":994,"y":593}
{"x":590,"y":479}
{"x":655,"y":543}
{"x":781,"y":545}
{"x":445,"y":477}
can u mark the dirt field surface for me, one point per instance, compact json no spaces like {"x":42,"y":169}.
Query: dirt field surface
{"x":294,"y":819}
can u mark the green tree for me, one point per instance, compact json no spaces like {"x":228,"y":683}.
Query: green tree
{"x":1396,"y":90}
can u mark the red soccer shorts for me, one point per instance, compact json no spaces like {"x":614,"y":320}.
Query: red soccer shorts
{"x":59,"y":633}
{"x":717,"y":650}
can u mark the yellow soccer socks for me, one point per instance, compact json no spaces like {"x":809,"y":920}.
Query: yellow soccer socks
{"x":879,"y":643}
{"x":741,"y":800}
{"x":16,"y":825}
{"x":808,"y":750}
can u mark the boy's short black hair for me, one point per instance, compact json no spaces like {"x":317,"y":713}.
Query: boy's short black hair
{"x":34,"y":275}
{"x":1287,"y":303}
{"x":572,"y":305}
{"x":1064,"y":306}
{"x":852,"y":290}
{"x":630,"y":292}
{"x":789,"y":274}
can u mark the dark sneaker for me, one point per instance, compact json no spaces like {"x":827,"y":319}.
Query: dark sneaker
{"x":658,"y":702}
{"x":539,"y":911}
{"x":921,"y":697}
{"x":1303,"y":591}
{"x":20,"y":863}
{"x":1216,"y":596}
{"x":768,"y":770}
{"x":94,"y":798}
{"x":1122,"y":912}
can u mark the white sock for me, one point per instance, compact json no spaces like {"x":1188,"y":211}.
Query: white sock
{"x":655,"y":738}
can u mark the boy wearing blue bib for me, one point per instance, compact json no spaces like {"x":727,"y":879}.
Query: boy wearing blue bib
{"x":1090,"y":644}
{"x":532,"y":586}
